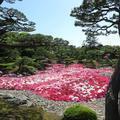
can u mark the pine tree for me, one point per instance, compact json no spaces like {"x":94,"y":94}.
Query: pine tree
{"x":104,"y":16}
{"x":13,"y":20}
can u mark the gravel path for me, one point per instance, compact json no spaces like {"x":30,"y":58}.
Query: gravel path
{"x":49,"y":105}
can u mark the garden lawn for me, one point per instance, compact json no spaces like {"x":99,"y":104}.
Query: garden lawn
{"x":60,"y":83}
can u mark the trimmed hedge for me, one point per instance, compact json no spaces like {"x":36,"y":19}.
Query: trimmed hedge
{"x":79,"y":112}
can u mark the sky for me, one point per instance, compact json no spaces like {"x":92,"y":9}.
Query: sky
{"x":52,"y":17}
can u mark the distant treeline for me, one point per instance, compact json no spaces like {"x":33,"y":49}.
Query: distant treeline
{"x":24,"y":53}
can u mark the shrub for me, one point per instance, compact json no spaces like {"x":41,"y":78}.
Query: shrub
{"x":26,"y":70}
{"x":6,"y":66}
{"x":10,"y":112}
{"x":25,"y":66}
{"x":40,"y":65}
{"x":13,"y":112}
{"x":79,"y":112}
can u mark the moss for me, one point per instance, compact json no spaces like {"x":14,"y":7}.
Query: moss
{"x":10,"y":112}
{"x":51,"y":116}
{"x":30,"y":113}
{"x":79,"y":112}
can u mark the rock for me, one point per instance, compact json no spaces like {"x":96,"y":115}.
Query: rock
{"x":7,"y":97}
{"x":11,"y":99}
{"x":16,"y":101}
{"x":27,"y":98}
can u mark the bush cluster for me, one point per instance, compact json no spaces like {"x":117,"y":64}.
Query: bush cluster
{"x":10,"y":112}
{"x":13,"y":112}
{"x":40,"y":50}
{"x":79,"y":112}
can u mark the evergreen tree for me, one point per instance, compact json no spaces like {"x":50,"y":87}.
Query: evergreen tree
{"x":9,"y":1}
{"x":14,"y":20}
{"x":104,"y":16}
{"x":91,"y":40}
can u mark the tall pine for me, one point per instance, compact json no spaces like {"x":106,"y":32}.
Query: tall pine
{"x":104,"y":17}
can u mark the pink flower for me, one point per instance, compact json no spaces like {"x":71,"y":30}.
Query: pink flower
{"x":72,"y":83}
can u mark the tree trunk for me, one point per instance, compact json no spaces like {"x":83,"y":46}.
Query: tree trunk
{"x":111,"y":102}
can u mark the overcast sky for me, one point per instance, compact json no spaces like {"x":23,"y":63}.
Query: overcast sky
{"x":52,"y":17}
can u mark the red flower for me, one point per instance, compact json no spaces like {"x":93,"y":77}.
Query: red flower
{"x":72,"y":83}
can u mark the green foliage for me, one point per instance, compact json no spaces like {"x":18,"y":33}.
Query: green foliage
{"x":26,"y":70}
{"x":10,"y":112}
{"x":90,"y":15}
{"x":14,"y":20}
{"x":91,"y":40}
{"x":79,"y":112}
{"x":95,"y":57}
{"x":44,"y":50}
{"x":9,"y":1}
{"x":40,"y":65}
{"x":25,"y":65}
{"x":9,"y":37}
{"x":28,"y":52}
{"x":89,"y":63}
{"x":51,"y":116}
{"x":33,"y":51}
{"x":68,"y":61}
{"x":6,"y":67}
